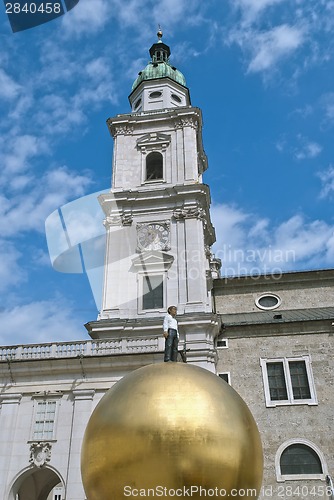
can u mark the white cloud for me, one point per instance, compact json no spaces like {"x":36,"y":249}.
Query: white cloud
{"x":147,"y":14}
{"x":170,"y":12}
{"x":327,"y":101}
{"x":308,"y":150}
{"x":229,"y":222}
{"x":11,"y":274}
{"x":61,"y":107}
{"x":270,"y":32}
{"x":305,"y":149}
{"x":28,"y":212}
{"x":18,"y":151}
{"x":131,"y":13}
{"x":87,"y":17}
{"x":9,"y":89}
{"x":309,"y":240}
{"x":271,"y":46}
{"x":39,"y":322}
{"x":327,"y":179}
{"x":252,"y":8}
{"x":97,"y":68}
{"x":249,"y":244}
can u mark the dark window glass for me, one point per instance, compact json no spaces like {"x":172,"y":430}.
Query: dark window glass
{"x":154,"y":95}
{"x":176,"y":98}
{"x":153,"y":292}
{"x":224,"y":376}
{"x":138,"y":103}
{"x":299,"y":380}
{"x":276,"y":380}
{"x":154,"y":166}
{"x":268,"y":301}
{"x":300,"y":459}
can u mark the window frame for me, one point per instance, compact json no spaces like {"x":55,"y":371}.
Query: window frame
{"x":268,"y":308}
{"x":158,"y":179}
{"x":141,"y":278}
{"x":299,"y":477}
{"x":37,"y":402}
{"x":155,"y":143}
{"x":158,"y":94}
{"x":287,"y":377}
{"x":222,"y":346}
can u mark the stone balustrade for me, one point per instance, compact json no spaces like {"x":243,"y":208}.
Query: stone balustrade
{"x":79,"y":349}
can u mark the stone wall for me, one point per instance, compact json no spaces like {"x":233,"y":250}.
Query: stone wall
{"x":312,"y":289}
{"x":282,"y":423}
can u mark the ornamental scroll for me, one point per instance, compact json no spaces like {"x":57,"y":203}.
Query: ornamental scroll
{"x":123,"y":219}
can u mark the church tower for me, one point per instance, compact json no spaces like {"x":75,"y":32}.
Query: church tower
{"x":157,"y":219}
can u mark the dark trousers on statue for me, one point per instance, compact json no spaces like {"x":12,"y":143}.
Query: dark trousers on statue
{"x":171,"y":345}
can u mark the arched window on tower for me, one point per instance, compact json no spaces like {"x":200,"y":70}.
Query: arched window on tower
{"x":299,"y":459}
{"x":154,"y":166}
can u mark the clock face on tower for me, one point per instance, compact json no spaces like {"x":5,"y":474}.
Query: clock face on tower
{"x":153,"y":236}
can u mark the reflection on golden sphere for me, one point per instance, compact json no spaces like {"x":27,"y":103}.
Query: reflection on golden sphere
{"x":168,"y":427}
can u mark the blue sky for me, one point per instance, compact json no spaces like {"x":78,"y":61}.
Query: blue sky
{"x":262,"y":73}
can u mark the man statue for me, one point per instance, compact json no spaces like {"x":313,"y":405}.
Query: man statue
{"x":171,"y":335}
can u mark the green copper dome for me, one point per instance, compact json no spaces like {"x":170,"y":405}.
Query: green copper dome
{"x":160,"y":70}
{"x":159,"y":67}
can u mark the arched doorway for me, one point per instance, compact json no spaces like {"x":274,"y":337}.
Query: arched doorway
{"x":36,"y":484}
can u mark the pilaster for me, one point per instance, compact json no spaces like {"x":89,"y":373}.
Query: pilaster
{"x":82,"y":409}
{"x":8,"y":422}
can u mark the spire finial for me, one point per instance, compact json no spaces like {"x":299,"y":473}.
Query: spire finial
{"x":159,"y":34}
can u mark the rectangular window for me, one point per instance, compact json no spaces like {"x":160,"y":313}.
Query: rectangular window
{"x":222,"y":343}
{"x":276,"y":379}
{"x":299,"y":381}
{"x":45,"y":416}
{"x":57,"y":493}
{"x":153,"y":292}
{"x":288,"y":381}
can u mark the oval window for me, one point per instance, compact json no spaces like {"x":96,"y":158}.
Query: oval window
{"x":138,"y":103}
{"x":176,"y":98}
{"x":268,"y":301}
{"x":154,"y":95}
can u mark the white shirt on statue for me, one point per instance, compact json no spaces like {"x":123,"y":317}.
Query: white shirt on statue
{"x":170,"y":322}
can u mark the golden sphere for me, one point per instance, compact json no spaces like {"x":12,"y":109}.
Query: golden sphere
{"x":171,"y":429}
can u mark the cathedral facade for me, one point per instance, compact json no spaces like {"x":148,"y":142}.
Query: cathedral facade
{"x":270,"y":338}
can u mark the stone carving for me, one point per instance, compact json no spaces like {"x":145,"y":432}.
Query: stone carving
{"x":112,"y":220}
{"x":40,"y":453}
{"x":207,"y":250}
{"x":190,"y":213}
{"x":121,"y":129}
{"x":153,"y":142}
{"x":189,"y":121}
{"x":122,"y":219}
{"x":127,"y":219}
{"x":215,"y":266}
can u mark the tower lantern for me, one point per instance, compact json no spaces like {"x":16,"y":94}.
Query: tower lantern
{"x":159,"y":85}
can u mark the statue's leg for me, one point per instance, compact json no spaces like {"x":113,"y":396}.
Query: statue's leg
{"x":168,"y":347}
{"x":175,"y":347}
